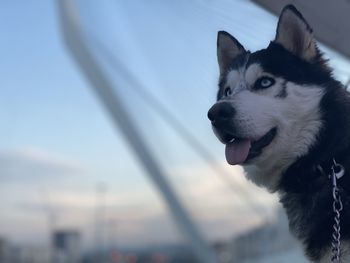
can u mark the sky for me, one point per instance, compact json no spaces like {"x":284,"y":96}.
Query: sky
{"x":58,"y":146}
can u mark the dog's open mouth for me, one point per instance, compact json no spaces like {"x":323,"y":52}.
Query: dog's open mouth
{"x":241,"y":150}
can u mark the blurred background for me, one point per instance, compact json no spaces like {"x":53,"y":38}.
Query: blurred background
{"x":106,"y":153}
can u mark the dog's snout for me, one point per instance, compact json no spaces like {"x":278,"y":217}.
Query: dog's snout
{"x":221,"y":112}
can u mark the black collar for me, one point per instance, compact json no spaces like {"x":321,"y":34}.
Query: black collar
{"x":299,"y":178}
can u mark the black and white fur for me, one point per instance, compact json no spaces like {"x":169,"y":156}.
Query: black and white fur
{"x":310,"y":112}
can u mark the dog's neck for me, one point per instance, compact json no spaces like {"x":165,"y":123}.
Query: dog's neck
{"x":306,"y":193}
{"x":305,"y":190}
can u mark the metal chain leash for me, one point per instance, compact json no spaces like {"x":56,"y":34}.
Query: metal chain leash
{"x":337,"y":173}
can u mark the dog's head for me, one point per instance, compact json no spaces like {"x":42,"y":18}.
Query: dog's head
{"x":267,"y":111}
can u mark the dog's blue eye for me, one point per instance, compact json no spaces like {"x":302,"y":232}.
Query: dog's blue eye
{"x":227,"y":91}
{"x":264,"y":82}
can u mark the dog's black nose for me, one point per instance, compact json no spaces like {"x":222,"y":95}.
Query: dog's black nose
{"x":221,"y":112}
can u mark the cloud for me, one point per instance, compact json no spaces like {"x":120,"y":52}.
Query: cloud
{"x":230,"y":187}
{"x":221,"y":202}
{"x":34,"y":164}
{"x":141,"y":216}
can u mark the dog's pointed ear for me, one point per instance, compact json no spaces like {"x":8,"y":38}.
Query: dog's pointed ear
{"x":227,"y":49}
{"x":295,"y":34}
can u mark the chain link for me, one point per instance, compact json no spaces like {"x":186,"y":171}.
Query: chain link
{"x":337,"y":208}
{"x":337,"y":173}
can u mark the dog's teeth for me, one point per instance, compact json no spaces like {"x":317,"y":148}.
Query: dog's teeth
{"x":233,"y":139}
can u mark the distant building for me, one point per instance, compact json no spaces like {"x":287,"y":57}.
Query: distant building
{"x":66,"y":247}
{"x":5,"y":251}
{"x":30,"y":254}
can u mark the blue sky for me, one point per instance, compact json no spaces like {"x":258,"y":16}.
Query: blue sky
{"x":57,"y":143}
{"x":44,"y":97}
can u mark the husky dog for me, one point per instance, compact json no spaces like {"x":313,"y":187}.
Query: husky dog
{"x":285,"y":119}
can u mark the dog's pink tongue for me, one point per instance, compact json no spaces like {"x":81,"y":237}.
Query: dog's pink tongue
{"x":237,"y":152}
